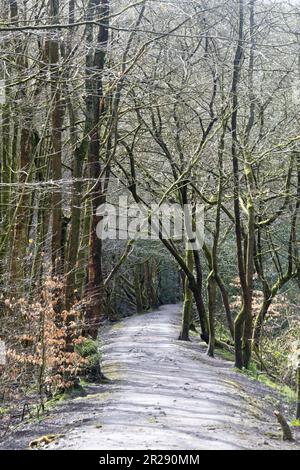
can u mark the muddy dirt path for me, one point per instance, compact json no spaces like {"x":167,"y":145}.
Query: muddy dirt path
{"x":164,"y":394}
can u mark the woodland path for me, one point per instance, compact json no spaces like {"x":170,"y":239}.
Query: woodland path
{"x":165,"y":394}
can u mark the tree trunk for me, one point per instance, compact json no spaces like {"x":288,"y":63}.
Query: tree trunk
{"x":137,"y":288}
{"x":95,"y":110}
{"x":20,"y":241}
{"x":225,"y":299}
{"x":188,"y":299}
{"x":211,"y":288}
{"x":259,"y":321}
{"x":57,"y":117}
{"x":248,"y":327}
{"x":79,"y":152}
{"x":298,"y":388}
{"x":198,"y":295}
{"x":74,"y":236}
{"x":240,"y":320}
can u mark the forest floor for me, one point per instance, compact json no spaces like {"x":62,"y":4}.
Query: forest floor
{"x":164,"y":394}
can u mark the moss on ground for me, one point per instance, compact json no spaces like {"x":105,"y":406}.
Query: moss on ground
{"x":225,"y":354}
{"x":284,"y":390}
{"x":102,"y":396}
{"x":62,"y":397}
{"x":117,"y":326}
{"x":114,"y":371}
{"x":295,"y":423}
{"x":255,"y":374}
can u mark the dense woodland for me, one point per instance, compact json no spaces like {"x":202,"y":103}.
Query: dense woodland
{"x":190,"y":101}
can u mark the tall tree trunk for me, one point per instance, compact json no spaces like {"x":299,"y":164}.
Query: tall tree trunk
{"x":250,"y":246}
{"x":20,"y":241}
{"x":6,"y":173}
{"x":248,"y":296}
{"x":76,"y":200}
{"x":240,"y":319}
{"x":22,"y":212}
{"x":57,"y":117}
{"x":95,"y":111}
